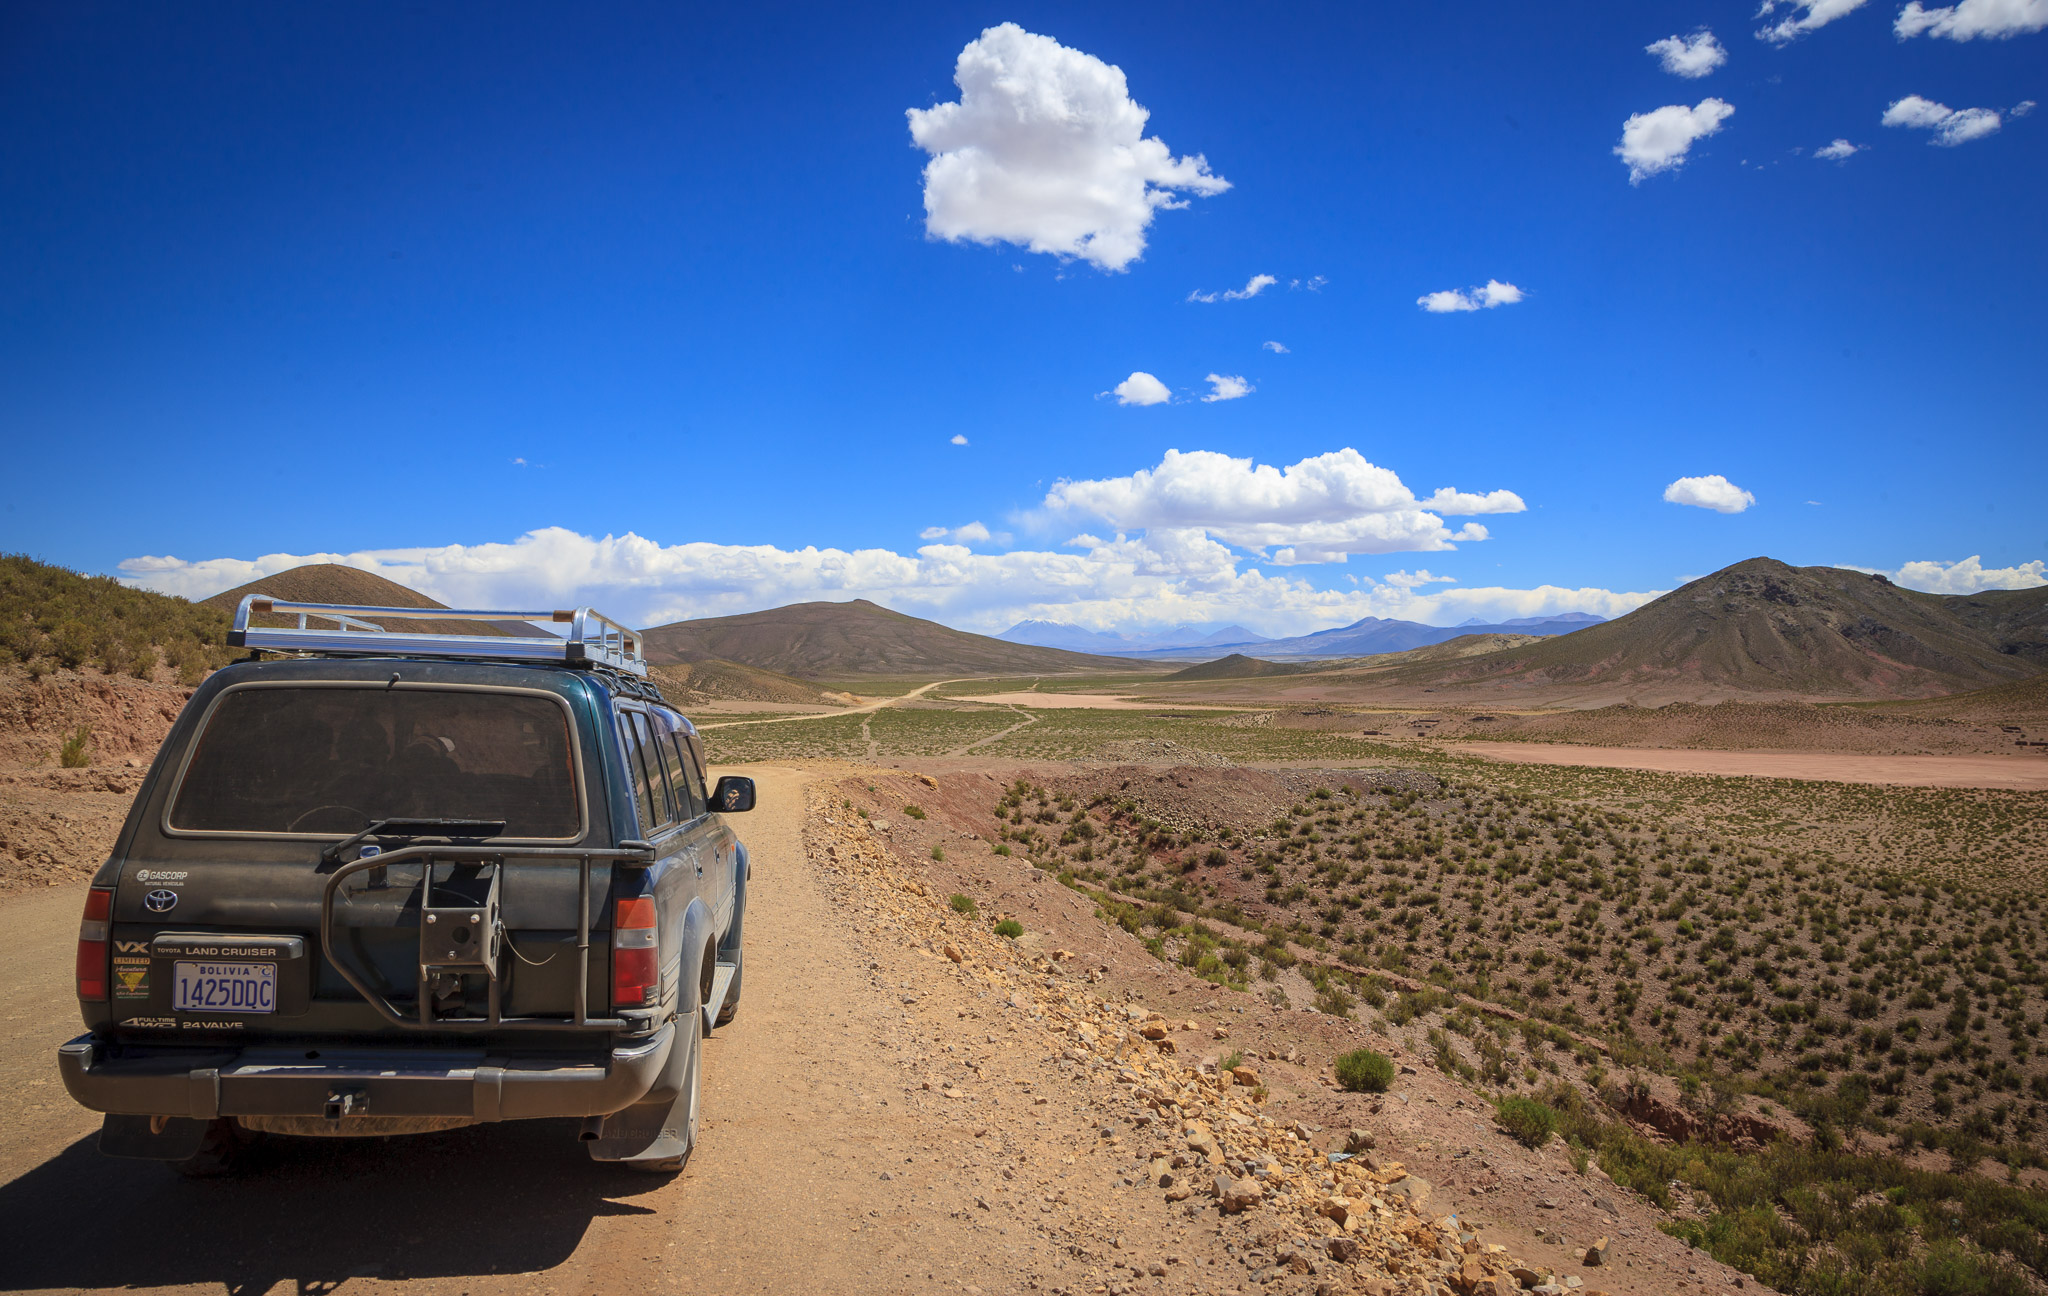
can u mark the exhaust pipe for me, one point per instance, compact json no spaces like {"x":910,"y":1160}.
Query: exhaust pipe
{"x":593,"y":1129}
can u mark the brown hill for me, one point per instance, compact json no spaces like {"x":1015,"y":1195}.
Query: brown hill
{"x":334,"y":583}
{"x":1235,"y":666}
{"x":1763,"y":627}
{"x":2015,"y":621}
{"x":724,"y":681}
{"x":1471,"y":645}
{"x":839,"y":640}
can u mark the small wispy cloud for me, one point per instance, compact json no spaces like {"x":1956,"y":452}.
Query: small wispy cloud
{"x":1951,"y":126}
{"x":1806,"y":16}
{"x":1710,"y":492}
{"x":959,"y":438}
{"x":1274,"y":347}
{"x":1257,"y":284}
{"x":1691,"y":56}
{"x":1991,"y":19}
{"x":1140,"y":388}
{"x":1223,"y":387}
{"x":1314,"y":283}
{"x":1839,"y":151}
{"x":972,"y":532}
{"x":1485,"y":297}
{"x":1659,"y":140}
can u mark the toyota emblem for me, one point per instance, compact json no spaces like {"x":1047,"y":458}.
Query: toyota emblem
{"x":162,"y":900}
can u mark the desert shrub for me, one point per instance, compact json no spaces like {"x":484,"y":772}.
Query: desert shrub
{"x":939,"y":853}
{"x":48,"y":613}
{"x":913,"y":812}
{"x":1527,"y":1121}
{"x":963,"y":904}
{"x":76,"y":753}
{"x":1010,"y":927}
{"x":1364,"y":1071}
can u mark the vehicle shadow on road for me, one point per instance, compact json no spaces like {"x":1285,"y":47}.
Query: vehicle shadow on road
{"x":492,"y":1199}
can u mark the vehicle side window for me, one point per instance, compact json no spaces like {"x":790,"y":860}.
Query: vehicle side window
{"x":686,"y":770}
{"x":689,"y":799}
{"x":692,"y":769}
{"x":657,"y":781}
{"x":637,"y":765}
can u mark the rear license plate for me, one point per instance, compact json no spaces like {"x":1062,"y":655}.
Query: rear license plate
{"x":225,"y":987}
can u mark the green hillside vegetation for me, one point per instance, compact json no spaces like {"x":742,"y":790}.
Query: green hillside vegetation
{"x":1888,"y":1010}
{"x":51,"y":618}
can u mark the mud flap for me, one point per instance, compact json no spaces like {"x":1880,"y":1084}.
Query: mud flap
{"x":152,"y":1138}
{"x":648,"y":1132}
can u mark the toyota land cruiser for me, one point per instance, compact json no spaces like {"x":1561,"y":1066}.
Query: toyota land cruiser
{"x":382,"y":882}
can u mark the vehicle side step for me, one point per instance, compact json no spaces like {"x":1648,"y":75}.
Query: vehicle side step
{"x":721,"y":983}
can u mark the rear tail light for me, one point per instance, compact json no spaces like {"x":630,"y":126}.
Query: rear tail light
{"x":636,"y":962}
{"x":92,"y":945}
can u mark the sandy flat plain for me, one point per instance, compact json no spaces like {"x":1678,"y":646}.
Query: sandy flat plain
{"x":1088,"y":702}
{"x":2027,"y":773}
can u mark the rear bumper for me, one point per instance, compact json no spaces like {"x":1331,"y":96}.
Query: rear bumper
{"x":148,"y":1080}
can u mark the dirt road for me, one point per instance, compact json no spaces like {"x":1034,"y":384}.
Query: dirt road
{"x":864,"y":708}
{"x":908,"y":1102}
{"x":2024,"y":773}
{"x":804,"y":1113}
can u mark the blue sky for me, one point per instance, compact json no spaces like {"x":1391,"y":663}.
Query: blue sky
{"x":525,"y":304}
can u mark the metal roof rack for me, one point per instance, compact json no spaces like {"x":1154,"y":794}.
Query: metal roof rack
{"x":593,"y":638}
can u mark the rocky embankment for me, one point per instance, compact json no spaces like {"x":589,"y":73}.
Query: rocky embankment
{"x":1299,"y":1208}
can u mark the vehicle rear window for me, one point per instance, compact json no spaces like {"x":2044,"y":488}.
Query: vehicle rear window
{"x":336,"y":760}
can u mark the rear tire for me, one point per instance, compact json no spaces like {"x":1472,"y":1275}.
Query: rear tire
{"x":223,"y":1150}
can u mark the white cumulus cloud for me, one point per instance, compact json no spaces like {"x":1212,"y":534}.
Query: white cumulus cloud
{"x":1047,"y":149}
{"x":1416,"y":579}
{"x":1485,"y":297}
{"x":1163,"y":579}
{"x":1223,"y":387}
{"x":1257,"y":284}
{"x":1318,"y":510}
{"x":1141,"y":388}
{"x":1991,"y":19}
{"x":1274,"y":347}
{"x":1802,"y":16}
{"x":973,"y":532}
{"x":1968,"y":576}
{"x":1839,"y":151}
{"x":959,"y":438}
{"x":1951,"y":126}
{"x":1711,"y":492}
{"x":1691,"y":56}
{"x":1658,"y":140}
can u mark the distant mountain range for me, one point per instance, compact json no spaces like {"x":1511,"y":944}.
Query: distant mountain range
{"x":1359,"y":639}
{"x":1759,"y":626}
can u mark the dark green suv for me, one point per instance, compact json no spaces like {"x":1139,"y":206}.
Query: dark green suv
{"x":380,"y":882}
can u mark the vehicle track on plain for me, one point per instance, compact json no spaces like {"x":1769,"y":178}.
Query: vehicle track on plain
{"x":787,"y":1191}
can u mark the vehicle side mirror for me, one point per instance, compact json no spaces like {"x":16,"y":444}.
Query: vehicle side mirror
{"x":733,"y":794}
